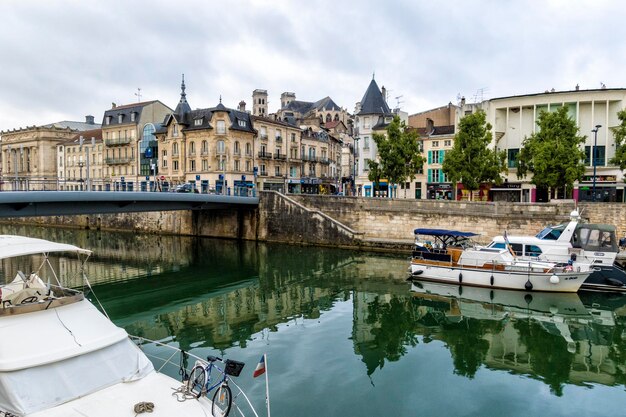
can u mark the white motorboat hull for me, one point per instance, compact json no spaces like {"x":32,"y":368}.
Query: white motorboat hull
{"x":514,"y":280}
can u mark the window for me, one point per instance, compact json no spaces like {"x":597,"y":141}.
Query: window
{"x":175,"y":130}
{"x":192,"y":148}
{"x":242,"y":123}
{"x":120,"y":117}
{"x":205,"y":147}
{"x":447,"y":143}
{"x":293,"y":137}
{"x":221,"y":127}
{"x":263,"y":170}
{"x":175,"y":165}
{"x":512,"y":155}
{"x":437,"y":175}
{"x":220,"y":146}
{"x":197,"y":122}
{"x":222,"y":164}
{"x":436,"y":157}
{"x":293,"y":172}
{"x":328,"y":118}
{"x":599,"y":156}
{"x":237,"y":151}
{"x":366,"y":164}
{"x":107,"y":120}
{"x":248,"y":166}
{"x":236,"y":164}
{"x":192,"y":165}
{"x":175,"y":149}
{"x":277,"y":171}
{"x":133,"y":116}
{"x":435,"y":144}
{"x":366,"y":122}
{"x":278,"y":134}
{"x":263,"y":132}
{"x":248,"y":149}
{"x":366,"y":142}
{"x":205,"y":165}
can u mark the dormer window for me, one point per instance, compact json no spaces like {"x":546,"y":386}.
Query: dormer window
{"x":221,"y":127}
{"x":175,"y":130}
{"x":120,"y":117}
{"x":242,"y":123}
{"x":197,"y":122}
{"x":108,"y":120}
{"x":133,"y":115}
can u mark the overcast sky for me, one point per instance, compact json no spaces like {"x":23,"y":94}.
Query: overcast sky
{"x":64,"y":59}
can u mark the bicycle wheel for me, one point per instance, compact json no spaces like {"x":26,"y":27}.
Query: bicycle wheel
{"x":196,"y":381}
{"x":222,"y":400}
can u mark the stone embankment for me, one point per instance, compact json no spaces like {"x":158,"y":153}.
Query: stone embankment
{"x":353,"y":222}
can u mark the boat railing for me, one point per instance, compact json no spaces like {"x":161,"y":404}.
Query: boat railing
{"x":177,"y":359}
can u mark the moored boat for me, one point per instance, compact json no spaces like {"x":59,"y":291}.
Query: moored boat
{"x":451,"y":259}
{"x":586,"y":242}
{"x":61,"y":356}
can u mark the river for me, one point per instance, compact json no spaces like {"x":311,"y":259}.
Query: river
{"x":345,"y":333}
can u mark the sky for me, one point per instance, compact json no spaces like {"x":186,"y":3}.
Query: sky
{"x":64,"y":59}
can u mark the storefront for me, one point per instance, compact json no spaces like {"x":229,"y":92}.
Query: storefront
{"x":310,"y":185}
{"x":294,"y":186}
{"x":439,"y":191}
{"x":482,"y":194}
{"x":274,"y":185}
{"x":243,"y":188}
{"x":606,"y":189}
{"x":509,"y":191}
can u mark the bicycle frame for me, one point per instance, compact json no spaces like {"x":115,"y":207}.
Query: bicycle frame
{"x":208,"y":368}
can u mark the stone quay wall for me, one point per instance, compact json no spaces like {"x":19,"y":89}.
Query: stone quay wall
{"x":355,"y":222}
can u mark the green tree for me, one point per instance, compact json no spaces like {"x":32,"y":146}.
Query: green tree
{"x":619,"y":133}
{"x":471,"y":160}
{"x":399,"y":154}
{"x":553,"y":153}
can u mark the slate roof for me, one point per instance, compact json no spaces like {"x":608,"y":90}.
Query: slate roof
{"x":437,"y":130}
{"x":373,"y":102}
{"x":125,"y":111}
{"x":188,"y":119}
{"x":80,"y":126}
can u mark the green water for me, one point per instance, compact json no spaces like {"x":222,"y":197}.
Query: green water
{"x":347,"y":335}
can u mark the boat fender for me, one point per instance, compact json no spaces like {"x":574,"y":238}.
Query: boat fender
{"x":554,"y":280}
{"x":614,"y":281}
{"x":460,"y":277}
{"x":491,"y":295}
{"x":460,"y":290}
{"x":491,"y":280}
{"x":528,"y":298}
{"x":528,"y":286}
{"x":418,"y":272}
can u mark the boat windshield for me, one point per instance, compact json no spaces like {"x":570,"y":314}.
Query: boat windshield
{"x":551,"y":232}
{"x":29,"y":390}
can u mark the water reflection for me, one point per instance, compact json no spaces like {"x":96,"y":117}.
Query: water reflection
{"x":221,"y":294}
{"x":556,"y":338}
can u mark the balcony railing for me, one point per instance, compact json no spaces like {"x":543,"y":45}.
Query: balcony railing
{"x":118,"y":161}
{"x":323,"y":160}
{"x":280,"y":156}
{"x":279,"y":139}
{"x":265,"y":155}
{"x":263,"y":137}
{"x":295,"y":157}
{"x":117,"y":141}
{"x":204,"y":152}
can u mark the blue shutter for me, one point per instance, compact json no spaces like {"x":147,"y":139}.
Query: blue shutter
{"x":430,"y":157}
{"x":442,"y":155}
{"x":430,"y":171}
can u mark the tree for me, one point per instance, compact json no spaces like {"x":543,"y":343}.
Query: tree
{"x":399,"y":154}
{"x":553,"y":153}
{"x":470,"y":160}
{"x":619,"y":133}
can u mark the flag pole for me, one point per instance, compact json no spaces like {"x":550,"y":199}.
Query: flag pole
{"x":267,"y":385}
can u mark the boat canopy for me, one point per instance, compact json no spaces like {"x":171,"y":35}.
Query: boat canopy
{"x":12,"y":246}
{"x":444,"y":232}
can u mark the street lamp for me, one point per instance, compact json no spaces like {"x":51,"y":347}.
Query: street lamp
{"x":355,"y":151}
{"x":593,"y":156}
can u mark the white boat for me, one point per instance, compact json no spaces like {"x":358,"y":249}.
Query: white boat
{"x":449,"y":259}
{"x":590,"y":243}
{"x":61,"y":357}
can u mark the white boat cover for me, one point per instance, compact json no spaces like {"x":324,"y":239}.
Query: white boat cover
{"x":53,"y":335}
{"x":12,"y":246}
{"x":40,"y":388}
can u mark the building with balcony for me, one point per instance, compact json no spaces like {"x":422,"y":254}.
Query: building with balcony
{"x":127,"y":133}
{"x":80,"y":162}
{"x":278,"y":159}
{"x":29,"y":155}
{"x":211,"y":148}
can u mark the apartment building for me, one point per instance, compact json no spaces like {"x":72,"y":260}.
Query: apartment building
{"x":80,"y":162}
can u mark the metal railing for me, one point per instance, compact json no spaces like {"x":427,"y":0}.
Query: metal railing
{"x":118,"y":161}
{"x":117,"y":141}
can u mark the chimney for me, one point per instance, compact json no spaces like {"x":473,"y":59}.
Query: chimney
{"x":462,"y":101}
{"x":430,"y":126}
{"x":383,"y":91}
{"x":113,"y":105}
{"x":89,"y":120}
{"x":577,"y":87}
{"x":242,"y":106}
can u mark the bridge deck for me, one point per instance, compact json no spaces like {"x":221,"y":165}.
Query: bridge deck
{"x":60,"y":203}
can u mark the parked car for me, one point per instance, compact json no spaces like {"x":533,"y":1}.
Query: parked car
{"x":184,"y":188}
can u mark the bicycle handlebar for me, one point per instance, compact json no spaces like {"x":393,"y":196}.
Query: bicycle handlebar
{"x":211,"y":358}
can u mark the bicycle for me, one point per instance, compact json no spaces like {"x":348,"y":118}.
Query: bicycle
{"x":199,"y":383}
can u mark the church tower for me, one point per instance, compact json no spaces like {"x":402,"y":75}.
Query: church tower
{"x":259,"y":103}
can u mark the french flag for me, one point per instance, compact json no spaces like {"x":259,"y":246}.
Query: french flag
{"x":260,"y":368}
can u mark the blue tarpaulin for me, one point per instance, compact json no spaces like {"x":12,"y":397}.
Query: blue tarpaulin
{"x":443,"y":232}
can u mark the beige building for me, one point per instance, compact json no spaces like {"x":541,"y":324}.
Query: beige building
{"x":127,"y":132}
{"x":80,"y":162}
{"x":278,"y":159}
{"x":211,"y":149}
{"x":29,"y":155}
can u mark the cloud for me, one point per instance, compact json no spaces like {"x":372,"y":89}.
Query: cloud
{"x":63,"y":59}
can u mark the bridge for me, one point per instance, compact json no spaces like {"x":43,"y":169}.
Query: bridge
{"x":63,"y":203}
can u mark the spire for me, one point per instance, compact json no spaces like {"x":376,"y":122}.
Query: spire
{"x":183,"y":107}
{"x":220,"y":99}
{"x":373,"y":75}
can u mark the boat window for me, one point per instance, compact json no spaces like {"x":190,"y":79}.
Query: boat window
{"x":497,"y":245}
{"x":518,"y":248}
{"x":595,"y":239}
{"x":532,"y":250}
{"x":551,"y":233}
